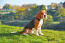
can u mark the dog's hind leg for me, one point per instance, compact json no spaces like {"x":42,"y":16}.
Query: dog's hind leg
{"x":33,"y":30}
{"x":25,"y":32}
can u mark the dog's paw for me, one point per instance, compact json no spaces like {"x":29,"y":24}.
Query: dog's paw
{"x":41,"y":34}
{"x":37,"y":34}
{"x":25,"y":34}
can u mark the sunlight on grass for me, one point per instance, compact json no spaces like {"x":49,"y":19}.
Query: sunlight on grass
{"x":50,"y":36}
{"x":56,"y":22}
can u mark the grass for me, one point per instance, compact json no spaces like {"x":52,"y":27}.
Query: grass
{"x":50,"y":36}
{"x":56,"y":22}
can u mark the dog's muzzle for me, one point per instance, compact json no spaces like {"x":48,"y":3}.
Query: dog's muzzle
{"x":45,"y":15}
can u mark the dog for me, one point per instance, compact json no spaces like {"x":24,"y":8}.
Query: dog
{"x":35,"y":24}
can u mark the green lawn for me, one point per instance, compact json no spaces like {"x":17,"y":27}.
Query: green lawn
{"x":50,"y":36}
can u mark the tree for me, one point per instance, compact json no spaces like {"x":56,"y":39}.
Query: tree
{"x":7,"y":6}
{"x":60,"y":11}
{"x":54,"y":5}
{"x":42,"y":7}
{"x":0,"y":22}
{"x":15,"y":7}
{"x":30,"y":12}
{"x":64,"y":4}
{"x":48,"y":21}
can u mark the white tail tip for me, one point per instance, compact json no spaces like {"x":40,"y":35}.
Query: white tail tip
{"x":13,"y":32}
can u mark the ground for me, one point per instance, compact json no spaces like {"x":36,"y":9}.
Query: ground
{"x":50,"y":36}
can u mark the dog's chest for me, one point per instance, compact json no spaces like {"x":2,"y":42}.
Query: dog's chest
{"x":41,"y":22}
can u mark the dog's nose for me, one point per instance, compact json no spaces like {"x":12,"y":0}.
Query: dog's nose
{"x":44,"y":16}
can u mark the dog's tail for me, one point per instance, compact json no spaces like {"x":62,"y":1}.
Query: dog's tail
{"x":13,"y":32}
{"x":17,"y":32}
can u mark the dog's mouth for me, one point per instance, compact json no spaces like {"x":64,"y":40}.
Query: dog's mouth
{"x":45,"y":15}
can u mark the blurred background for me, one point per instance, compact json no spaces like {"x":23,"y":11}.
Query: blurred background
{"x":21,"y":12}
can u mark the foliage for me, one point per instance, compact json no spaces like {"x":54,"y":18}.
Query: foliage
{"x":29,"y":13}
{"x":48,"y":21}
{"x":21,"y":9}
{"x":14,"y":7}
{"x":60,"y":11}
{"x":61,"y":25}
{"x":7,"y":6}
{"x":24,"y":12}
{"x":54,"y":5}
{"x":64,"y":4}
{"x":52,"y":13}
{"x":0,"y":23}
{"x":42,"y":7}
{"x":56,"y":13}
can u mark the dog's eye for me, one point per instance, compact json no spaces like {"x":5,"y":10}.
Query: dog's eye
{"x":43,"y":14}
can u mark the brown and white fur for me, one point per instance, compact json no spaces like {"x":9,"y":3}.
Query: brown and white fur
{"x":38,"y":21}
{"x":35,"y":24}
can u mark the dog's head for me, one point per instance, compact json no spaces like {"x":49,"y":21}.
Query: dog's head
{"x":42,"y":14}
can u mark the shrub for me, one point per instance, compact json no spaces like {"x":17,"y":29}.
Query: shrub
{"x":48,"y":21}
{"x":0,"y":23}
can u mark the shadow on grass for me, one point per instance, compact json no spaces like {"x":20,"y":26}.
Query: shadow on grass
{"x":13,"y":34}
{"x":9,"y":34}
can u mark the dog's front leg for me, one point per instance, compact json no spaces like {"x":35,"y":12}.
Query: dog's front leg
{"x":37,"y":32}
{"x":40,"y":31}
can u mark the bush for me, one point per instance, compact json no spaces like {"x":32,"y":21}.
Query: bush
{"x":0,"y":23}
{"x":48,"y":21}
{"x":61,"y":26}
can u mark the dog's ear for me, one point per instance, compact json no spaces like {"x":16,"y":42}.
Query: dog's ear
{"x":39,"y":14}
